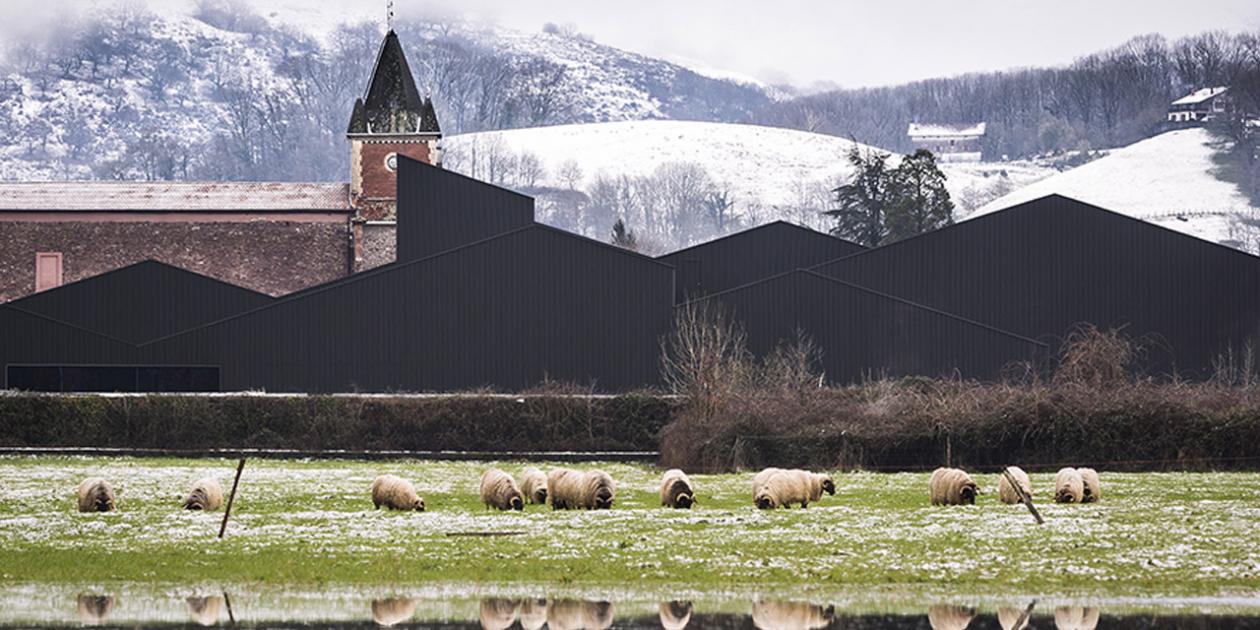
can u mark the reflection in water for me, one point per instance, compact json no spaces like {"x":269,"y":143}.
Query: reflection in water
{"x":393,"y":610}
{"x":498,"y":614}
{"x":205,"y":610}
{"x":943,"y":617}
{"x":790,"y":616}
{"x":572,"y":614}
{"x":1008,"y":617}
{"x":675,"y":615}
{"x":533,"y":614}
{"x":1075,"y":618}
{"x":94,"y":609}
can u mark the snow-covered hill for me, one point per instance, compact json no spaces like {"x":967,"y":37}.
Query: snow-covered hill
{"x":1167,"y":179}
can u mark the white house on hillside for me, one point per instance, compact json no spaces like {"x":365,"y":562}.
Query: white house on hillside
{"x":950,"y":143}
{"x":1200,"y":105}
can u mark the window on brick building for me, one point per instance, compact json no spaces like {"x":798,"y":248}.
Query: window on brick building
{"x":47,"y":270}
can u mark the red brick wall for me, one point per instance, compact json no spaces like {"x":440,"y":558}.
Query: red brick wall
{"x":378,"y":181}
{"x":275,"y":257}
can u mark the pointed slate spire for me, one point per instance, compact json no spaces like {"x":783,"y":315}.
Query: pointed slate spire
{"x":392,"y":104}
{"x":358,"y":120}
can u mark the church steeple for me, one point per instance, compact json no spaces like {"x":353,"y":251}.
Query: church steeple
{"x":390,"y":120}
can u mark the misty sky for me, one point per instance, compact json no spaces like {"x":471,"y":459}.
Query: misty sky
{"x":844,"y":42}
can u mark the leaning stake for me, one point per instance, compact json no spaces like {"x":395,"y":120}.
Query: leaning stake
{"x":1006,"y":472}
{"x":228,"y":511}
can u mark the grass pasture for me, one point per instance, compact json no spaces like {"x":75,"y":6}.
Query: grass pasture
{"x":311,"y":523}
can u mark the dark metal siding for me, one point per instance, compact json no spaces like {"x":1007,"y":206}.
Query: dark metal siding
{"x":1042,"y":267}
{"x":752,"y":255}
{"x":440,"y":210}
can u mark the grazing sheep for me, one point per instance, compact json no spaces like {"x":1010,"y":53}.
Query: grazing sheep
{"x":598,"y":491}
{"x":96,"y":495}
{"x":1092,"y":489}
{"x":572,"y":614}
{"x":818,"y":484}
{"x":94,"y":610}
{"x":1068,"y":486}
{"x":205,"y":610}
{"x":206,"y":494}
{"x":499,"y":491}
{"x":1008,"y":617}
{"x":782,"y":489}
{"x":676,"y":490}
{"x":760,"y":478}
{"x":952,"y":486}
{"x":393,"y":610}
{"x":1075,"y":618}
{"x":533,"y":614}
{"x":1007,"y":493}
{"x":563,"y":488}
{"x":534,"y":485}
{"x":572,"y":490}
{"x":675,"y":615}
{"x":395,"y":494}
{"x":497,"y":613}
{"x":790,"y":616}
{"x":942,"y":617}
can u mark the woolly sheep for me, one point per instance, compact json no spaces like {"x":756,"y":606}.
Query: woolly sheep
{"x":533,"y":614}
{"x":205,"y":610}
{"x":533,"y":484}
{"x":1075,"y":618}
{"x":572,"y":614}
{"x":571,"y":489}
{"x":497,"y":613}
{"x":393,"y":610}
{"x":1006,"y":492}
{"x":1008,"y":617}
{"x":952,"y":486}
{"x":790,"y":616}
{"x":562,"y":487}
{"x":781,"y":489}
{"x":395,"y":494}
{"x":96,"y":495}
{"x":676,"y":490}
{"x":598,"y":491}
{"x":1092,"y":488}
{"x":94,"y":610}
{"x":499,"y":491}
{"x":206,"y":494}
{"x":942,"y":617}
{"x":1068,"y":486}
{"x":675,"y":615}
{"x":760,"y":478}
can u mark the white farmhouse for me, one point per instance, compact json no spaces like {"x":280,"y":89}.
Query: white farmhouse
{"x":950,"y":143}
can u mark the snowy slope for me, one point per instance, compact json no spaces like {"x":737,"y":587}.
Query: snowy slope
{"x":1167,"y":179}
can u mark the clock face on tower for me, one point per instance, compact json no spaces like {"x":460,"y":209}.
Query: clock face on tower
{"x":391,"y":162}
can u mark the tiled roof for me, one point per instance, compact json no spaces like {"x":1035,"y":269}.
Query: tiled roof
{"x":1198,"y":96}
{"x":174,"y":196}
{"x":918,"y":130}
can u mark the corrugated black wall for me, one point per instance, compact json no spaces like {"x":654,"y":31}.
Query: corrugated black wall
{"x":752,"y":255}
{"x":1040,"y":268}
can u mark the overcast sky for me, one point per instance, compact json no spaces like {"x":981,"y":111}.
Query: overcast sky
{"x":846,"y":42}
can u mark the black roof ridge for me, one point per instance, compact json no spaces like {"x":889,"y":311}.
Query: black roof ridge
{"x":132,"y":266}
{"x":880,"y":294}
{"x":754,"y":228}
{"x":403,"y":159}
{"x":609,"y":246}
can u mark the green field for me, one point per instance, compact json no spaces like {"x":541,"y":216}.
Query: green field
{"x":310,"y":524}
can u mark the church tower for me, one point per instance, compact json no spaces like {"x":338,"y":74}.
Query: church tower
{"x":390,"y":120}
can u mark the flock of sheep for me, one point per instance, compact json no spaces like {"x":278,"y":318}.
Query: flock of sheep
{"x":568,"y":489}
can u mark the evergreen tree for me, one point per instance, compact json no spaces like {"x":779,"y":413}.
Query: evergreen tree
{"x":623,"y":237}
{"x":862,"y":203}
{"x":920,"y":202}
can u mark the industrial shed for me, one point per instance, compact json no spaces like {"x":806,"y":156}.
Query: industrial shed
{"x":1041,"y":268}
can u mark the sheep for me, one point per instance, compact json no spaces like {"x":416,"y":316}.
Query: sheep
{"x":676,"y":490}
{"x":96,"y":495}
{"x":572,"y":614}
{"x":571,"y":490}
{"x":94,"y":610}
{"x":497,"y":613}
{"x":783,"y":488}
{"x":1075,"y":618}
{"x":952,"y":486}
{"x":1092,"y":488}
{"x":942,"y":617}
{"x":1007,"y":493}
{"x":206,"y":494}
{"x":533,"y":614}
{"x":393,"y":610}
{"x":499,"y":491}
{"x":562,"y":487}
{"x":760,"y":478}
{"x":533,"y":485}
{"x":205,"y":610}
{"x":395,"y":494}
{"x":1008,"y":617}
{"x":675,"y":615}
{"x":790,"y":616}
{"x":1068,"y":486}
{"x":818,"y":484}
{"x":598,"y":490}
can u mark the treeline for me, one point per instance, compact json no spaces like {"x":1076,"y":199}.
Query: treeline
{"x":1107,"y":99}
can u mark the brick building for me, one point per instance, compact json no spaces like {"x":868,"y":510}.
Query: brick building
{"x":272,"y":237}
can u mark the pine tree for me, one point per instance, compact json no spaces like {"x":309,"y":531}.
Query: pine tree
{"x":920,"y":202}
{"x":862,"y":203}
{"x":623,"y":237}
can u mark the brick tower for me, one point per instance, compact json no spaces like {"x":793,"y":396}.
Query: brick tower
{"x":390,"y":120}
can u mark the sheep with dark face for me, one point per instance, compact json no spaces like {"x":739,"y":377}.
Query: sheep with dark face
{"x":392,"y":611}
{"x":1091,"y":487}
{"x":675,"y":615}
{"x":533,"y":484}
{"x":499,"y":491}
{"x":96,"y":495}
{"x":942,"y":617}
{"x":676,"y":490}
{"x":533,"y":614}
{"x":497,"y":613}
{"x":790,"y":616}
{"x":94,"y":610}
{"x":572,"y":614}
{"x":1007,"y":493}
{"x":1069,"y":487}
{"x":1075,"y":618}
{"x":760,"y":478}
{"x":395,"y":494}
{"x":783,"y":488}
{"x":952,"y":486}
{"x":573,"y":490}
{"x":206,"y":494}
